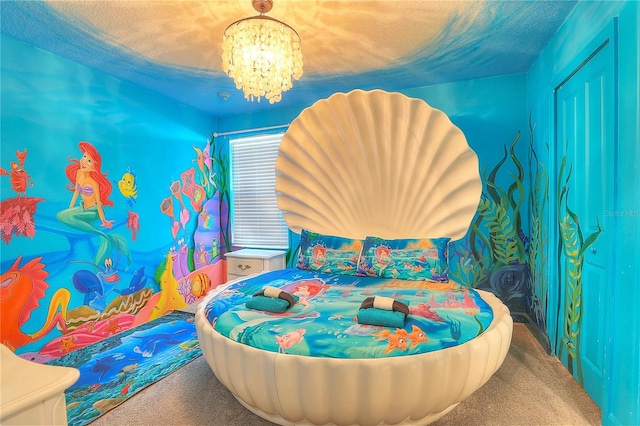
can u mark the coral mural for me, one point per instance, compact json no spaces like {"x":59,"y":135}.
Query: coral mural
{"x":206,"y":189}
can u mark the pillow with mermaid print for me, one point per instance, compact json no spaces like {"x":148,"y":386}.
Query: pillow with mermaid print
{"x":328,"y":253}
{"x":405,"y":259}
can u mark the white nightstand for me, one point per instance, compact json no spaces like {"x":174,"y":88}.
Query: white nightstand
{"x":252,"y":261}
{"x":32,"y":393}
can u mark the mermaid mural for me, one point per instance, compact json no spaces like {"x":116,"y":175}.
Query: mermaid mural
{"x":93,"y":187}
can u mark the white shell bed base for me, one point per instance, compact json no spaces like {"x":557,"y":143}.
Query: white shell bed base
{"x":367,"y":163}
{"x":410,"y":390}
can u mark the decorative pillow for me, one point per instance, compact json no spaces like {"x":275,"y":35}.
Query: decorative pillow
{"x":328,"y":253}
{"x":406,"y":259}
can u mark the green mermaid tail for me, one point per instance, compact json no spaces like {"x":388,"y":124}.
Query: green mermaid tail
{"x":113,"y":241}
{"x":82,"y":220}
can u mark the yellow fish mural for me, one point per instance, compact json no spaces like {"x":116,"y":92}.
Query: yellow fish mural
{"x":127,"y":186}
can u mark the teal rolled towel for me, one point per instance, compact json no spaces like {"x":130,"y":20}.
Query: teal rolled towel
{"x":271,"y":299}
{"x":383,"y":311}
{"x":381,"y":317}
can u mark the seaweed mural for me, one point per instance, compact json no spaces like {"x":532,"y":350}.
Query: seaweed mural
{"x":537,"y":255}
{"x":292,"y":252}
{"x":494,"y":256}
{"x":221,"y":186}
{"x":573,"y":246}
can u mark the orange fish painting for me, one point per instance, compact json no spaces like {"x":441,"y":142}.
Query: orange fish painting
{"x":21,"y":288}
{"x":417,"y":335}
{"x":396,"y":340}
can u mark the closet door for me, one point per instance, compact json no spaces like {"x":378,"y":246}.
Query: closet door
{"x":585,"y":141}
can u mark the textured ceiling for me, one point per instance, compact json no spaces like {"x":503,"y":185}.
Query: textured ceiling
{"x":174,"y":47}
{"x":188,"y":34}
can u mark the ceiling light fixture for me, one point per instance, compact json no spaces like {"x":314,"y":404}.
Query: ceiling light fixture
{"x":262,"y":55}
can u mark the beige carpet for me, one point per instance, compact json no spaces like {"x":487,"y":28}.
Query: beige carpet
{"x":531,"y":388}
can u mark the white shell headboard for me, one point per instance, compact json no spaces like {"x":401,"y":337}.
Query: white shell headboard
{"x":377,"y":163}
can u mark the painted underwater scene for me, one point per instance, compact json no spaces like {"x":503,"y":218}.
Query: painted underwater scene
{"x":497,"y":255}
{"x":75,"y":274}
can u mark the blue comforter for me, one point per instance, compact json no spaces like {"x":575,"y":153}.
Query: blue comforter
{"x":323,"y":321}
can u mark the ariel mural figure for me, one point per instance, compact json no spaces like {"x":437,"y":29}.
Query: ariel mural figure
{"x":87,"y":180}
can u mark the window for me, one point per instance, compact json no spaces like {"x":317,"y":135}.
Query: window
{"x":256,"y":220}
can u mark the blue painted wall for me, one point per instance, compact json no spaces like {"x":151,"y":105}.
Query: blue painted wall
{"x":582,"y":30}
{"x":49,"y":105}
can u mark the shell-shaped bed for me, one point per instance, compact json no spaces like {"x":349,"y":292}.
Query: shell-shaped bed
{"x":352,"y":165}
{"x":377,"y":163}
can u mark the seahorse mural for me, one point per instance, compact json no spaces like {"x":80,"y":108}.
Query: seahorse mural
{"x":20,"y":290}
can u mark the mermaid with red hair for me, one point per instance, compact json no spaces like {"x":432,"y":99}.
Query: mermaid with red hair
{"x":87,"y":181}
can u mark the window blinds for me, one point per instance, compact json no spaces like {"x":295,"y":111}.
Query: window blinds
{"x":256,"y":220}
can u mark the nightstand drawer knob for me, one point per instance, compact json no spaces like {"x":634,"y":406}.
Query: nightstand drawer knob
{"x":243,"y":267}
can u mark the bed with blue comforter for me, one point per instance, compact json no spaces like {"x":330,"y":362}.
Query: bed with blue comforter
{"x":323,"y":321}
{"x":376,"y":184}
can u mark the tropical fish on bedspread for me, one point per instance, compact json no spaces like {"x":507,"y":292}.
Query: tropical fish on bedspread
{"x":416,"y":336}
{"x":396,"y":340}
{"x":290,"y":339}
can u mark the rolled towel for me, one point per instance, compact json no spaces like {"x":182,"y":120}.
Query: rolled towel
{"x":385,"y":312}
{"x":272,"y":299}
{"x":381,"y":317}
{"x":385,"y":303}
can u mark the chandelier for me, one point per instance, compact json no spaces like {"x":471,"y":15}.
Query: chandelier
{"x":262,"y":55}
